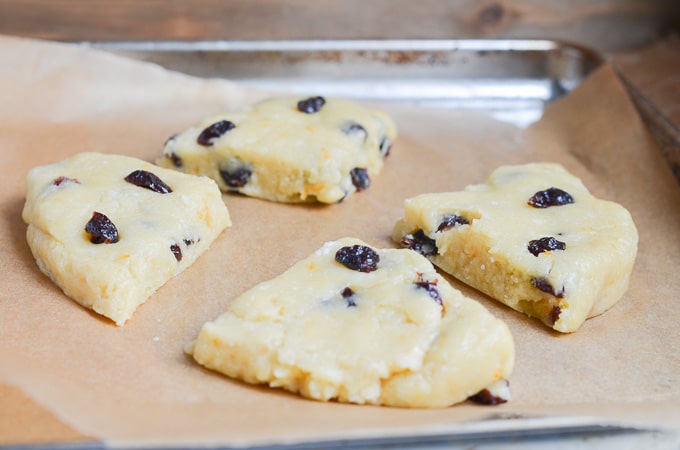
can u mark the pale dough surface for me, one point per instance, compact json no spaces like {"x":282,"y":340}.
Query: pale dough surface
{"x":397,"y":345}
{"x":491,"y":253}
{"x":154,"y":229}
{"x":288,"y":155}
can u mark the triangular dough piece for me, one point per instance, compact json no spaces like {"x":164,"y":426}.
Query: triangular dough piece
{"x":532,"y":237}
{"x":288,"y":149}
{"x":362,"y":325}
{"x":110,"y":230}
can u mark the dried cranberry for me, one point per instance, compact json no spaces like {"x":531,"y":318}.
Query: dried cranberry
{"x":451,"y":221}
{"x":545,"y":244}
{"x":148,"y":180}
{"x":238,"y":177}
{"x":350,"y":296}
{"x":430,"y":287}
{"x":311,"y":105}
{"x":550,"y":197}
{"x":544,"y":285}
{"x":358,"y":257}
{"x":420,"y":243}
{"x":59,"y":180}
{"x":360,"y":178}
{"x":355,"y":130}
{"x":176,"y":160}
{"x":486,"y":397}
{"x":214,"y":131}
{"x":101,"y":229}
{"x":385,"y":147}
{"x":174,"y":248}
{"x":554,"y":315}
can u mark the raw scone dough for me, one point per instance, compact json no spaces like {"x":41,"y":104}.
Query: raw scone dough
{"x":532,"y":237}
{"x":288,"y":149}
{"x":111,"y":243}
{"x":379,"y":328}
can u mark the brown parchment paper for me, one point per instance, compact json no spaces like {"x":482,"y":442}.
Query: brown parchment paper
{"x":134,"y":385}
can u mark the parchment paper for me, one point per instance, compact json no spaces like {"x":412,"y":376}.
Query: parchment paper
{"x":135,"y":385}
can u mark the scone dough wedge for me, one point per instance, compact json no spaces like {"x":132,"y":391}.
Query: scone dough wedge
{"x":287,"y":149}
{"x":532,"y":237}
{"x":110,"y":230}
{"x":357,"y":324}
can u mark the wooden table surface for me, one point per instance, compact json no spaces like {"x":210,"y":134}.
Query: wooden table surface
{"x":603,"y":25}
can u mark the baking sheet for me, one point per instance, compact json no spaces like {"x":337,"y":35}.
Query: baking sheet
{"x":134,"y":385}
{"x":512,"y":79}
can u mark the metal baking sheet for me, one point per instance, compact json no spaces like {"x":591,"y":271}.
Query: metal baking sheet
{"x":513,"y":79}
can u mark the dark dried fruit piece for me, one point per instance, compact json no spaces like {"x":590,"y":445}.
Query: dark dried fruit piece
{"x":489,"y":397}
{"x":355,"y":130}
{"x":237,"y":177}
{"x":554,"y":315}
{"x":544,"y":285}
{"x":214,"y":131}
{"x":550,"y":197}
{"x":101,"y":229}
{"x":430,"y":287}
{"x":450,"y":221}
{"x":358,"y":257}
{"x":545,"y":244}
{"x":148,"y":180}
{"x":176,"y":160}
{"x":311,"y":105}
{"x":485,"y":397}
{"x":189,"y":242}
{"x":360,"y":178}
{"x":385,"y":147}
{"x":59,"y":180}
{"x":174,"y":248}
{"x":420,"y":243}
{"x":350,"y":296}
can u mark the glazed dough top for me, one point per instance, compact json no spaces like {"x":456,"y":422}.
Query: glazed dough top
{"x":142,"y":217}
{"x":158,"y":234}
{"x":386,"y":340}
{"x":293,"y":156}
{"x":498,"y":210}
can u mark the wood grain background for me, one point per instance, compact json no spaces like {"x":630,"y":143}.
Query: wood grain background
{"x":601,"y":24}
